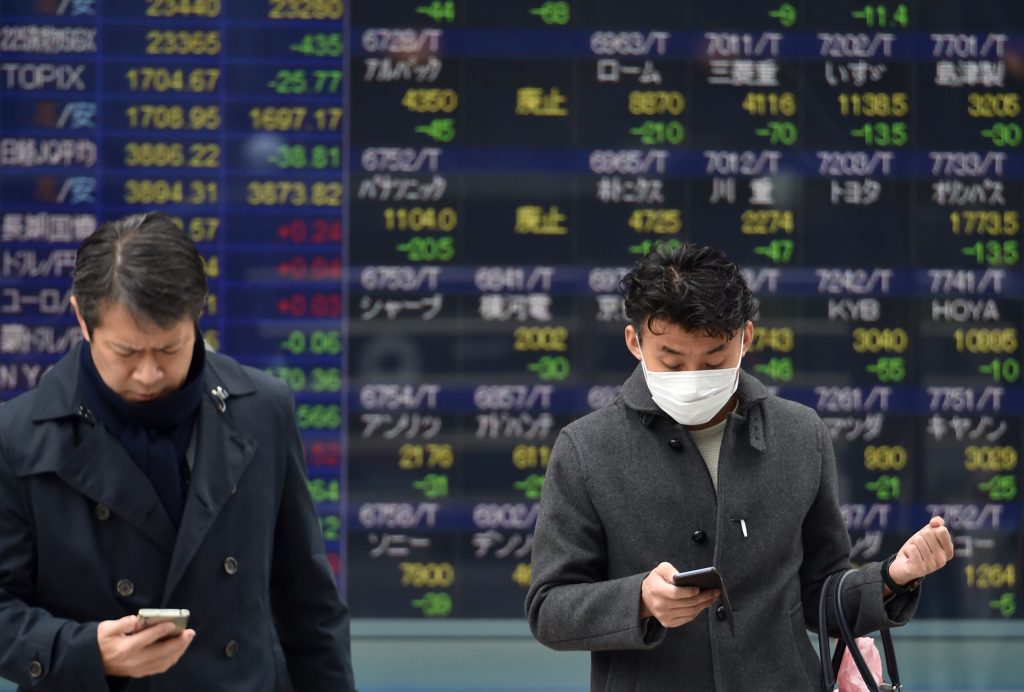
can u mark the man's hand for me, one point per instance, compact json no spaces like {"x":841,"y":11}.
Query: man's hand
{"x":127,"y":653}
{"x":669,"y":604}
{"x":925,"y":552}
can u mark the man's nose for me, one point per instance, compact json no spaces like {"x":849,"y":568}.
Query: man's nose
{"x":148,"y":372}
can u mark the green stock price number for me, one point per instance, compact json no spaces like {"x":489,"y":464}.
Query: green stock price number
{"x":320,"y":45}
{"x":886,"y":487}
{"x":993,"y":253}
{"x":888,"y":369}
{"x":315,"y":380}
{"x":550,"y":368}
{"x":1001,"y":369}
{"x":1004,"y":134}
{"x":319,"y":342}
{"x":429,"y":249}
{"x":1001,"y":488}
{"x":322,"y":490}
{"x":319,"y":416}
{"x":330,"y":526}
{"x":434,"y":604}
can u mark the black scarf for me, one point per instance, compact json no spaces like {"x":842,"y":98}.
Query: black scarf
{"x":155,"y":434}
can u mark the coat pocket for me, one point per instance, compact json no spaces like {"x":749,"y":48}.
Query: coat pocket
{"x":281,"y":681}
{"x":622,"y":673}
{"x":804,"y":652}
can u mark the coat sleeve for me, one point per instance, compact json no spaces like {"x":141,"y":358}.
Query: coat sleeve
{"x":37,"y":650}
{"x":311,"y":618}
{"x":571,"y":605}
{"x":827,"y":550}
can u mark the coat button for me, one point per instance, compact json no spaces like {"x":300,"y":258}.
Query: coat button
{"x":102,"y":512}
{"x":720,"y":612}
{"x":699,"y":536}
{"x":675,"y":443}
{"x":35,"y":669}
{"x":231,"y":649}
{"x":230,"y":565}
{"x":125,"y":587}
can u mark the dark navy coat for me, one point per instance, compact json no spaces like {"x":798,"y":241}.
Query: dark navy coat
{"x":83,"y":538}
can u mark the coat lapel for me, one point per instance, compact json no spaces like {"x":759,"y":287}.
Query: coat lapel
{"x":100,"y":469}
{"x":222,"y":456}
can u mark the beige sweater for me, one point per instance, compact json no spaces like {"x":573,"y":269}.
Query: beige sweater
{"x":709,"y":442}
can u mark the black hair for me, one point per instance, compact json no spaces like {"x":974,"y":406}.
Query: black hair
{"x":144,"y":263}
{"x":694,"y":287}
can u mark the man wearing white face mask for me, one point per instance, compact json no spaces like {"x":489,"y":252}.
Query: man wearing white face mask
{"x":697,"y":464}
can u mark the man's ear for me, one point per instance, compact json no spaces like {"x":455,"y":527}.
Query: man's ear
{"x":78,"y":316}
{"x":632,"y":343}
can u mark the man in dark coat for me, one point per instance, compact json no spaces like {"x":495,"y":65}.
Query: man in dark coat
{"x":147,"y":472}
{"x":697,"y":464}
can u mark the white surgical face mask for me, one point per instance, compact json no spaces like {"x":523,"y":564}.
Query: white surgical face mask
{"x":694,"y":397}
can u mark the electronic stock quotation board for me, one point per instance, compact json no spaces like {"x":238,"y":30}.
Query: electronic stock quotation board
{"x":416,"y":212}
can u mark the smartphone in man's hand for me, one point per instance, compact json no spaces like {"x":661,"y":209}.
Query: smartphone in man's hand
{"x":152,"y":616}
{"x":705,"y":579}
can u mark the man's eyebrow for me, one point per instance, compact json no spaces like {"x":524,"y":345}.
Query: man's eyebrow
{"x":163,"y":347}
{"x":671,"y":351}
{"x":122,"y":347}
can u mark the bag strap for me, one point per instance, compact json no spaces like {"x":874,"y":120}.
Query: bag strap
{"x":847,"y":640}
{"x":890,"y":660}
{"x":829,"y":661}
{"x":851,"y":641}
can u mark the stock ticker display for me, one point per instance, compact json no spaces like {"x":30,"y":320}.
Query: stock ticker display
{"x":416,"y":212}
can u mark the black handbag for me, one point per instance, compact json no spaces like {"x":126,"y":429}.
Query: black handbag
{"x":846,"y":641}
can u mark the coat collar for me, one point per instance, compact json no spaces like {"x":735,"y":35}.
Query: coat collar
{"x":637,"y":396}
{"x":58,"y":396}
{"x":100,"y":469}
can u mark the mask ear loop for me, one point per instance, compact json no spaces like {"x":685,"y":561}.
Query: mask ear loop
{"x":736,"y":382}
{"x":643,"y":365}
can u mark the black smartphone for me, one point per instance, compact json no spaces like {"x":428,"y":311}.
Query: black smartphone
{"x":704,"y":579}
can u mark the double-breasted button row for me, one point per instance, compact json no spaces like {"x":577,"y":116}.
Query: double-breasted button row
{"x":125,"y":587}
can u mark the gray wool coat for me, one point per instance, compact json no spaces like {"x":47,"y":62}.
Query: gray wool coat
{"x":626,"y":488}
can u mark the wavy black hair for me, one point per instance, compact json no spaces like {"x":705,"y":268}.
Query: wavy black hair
{"x":144,"y":262}
{"x":694,"y":287}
